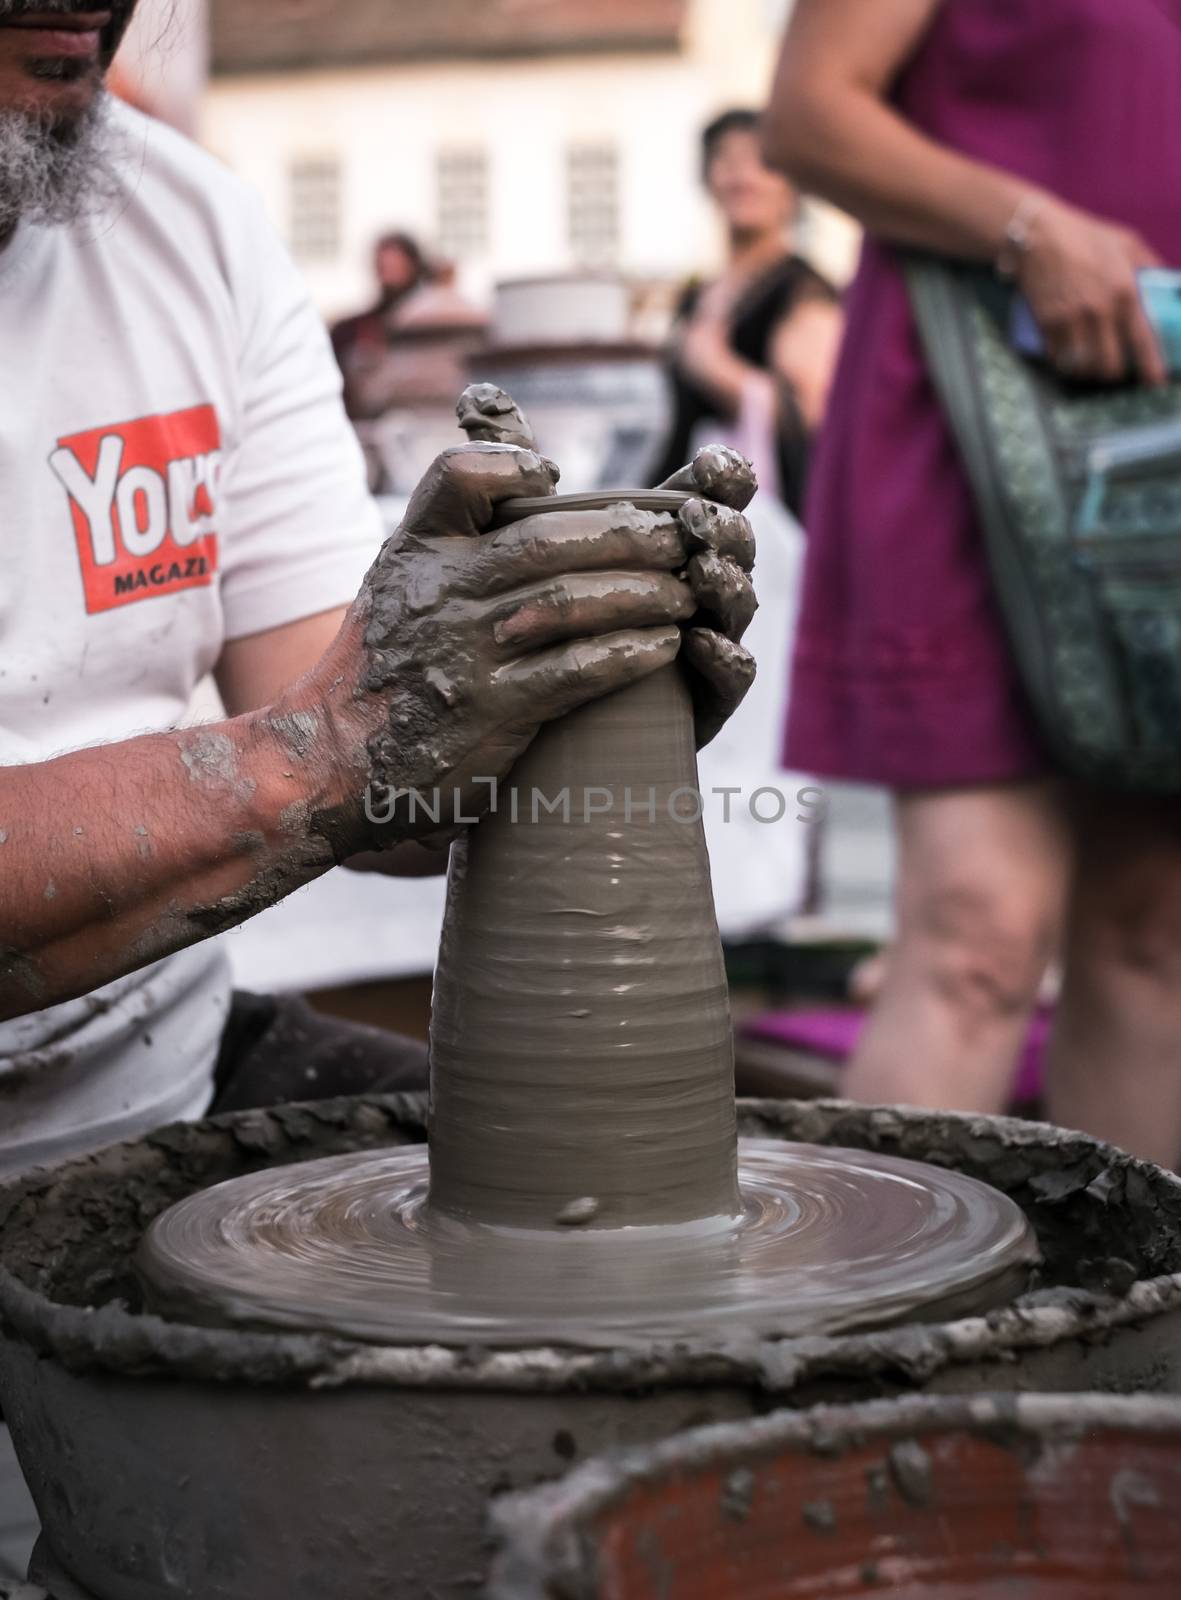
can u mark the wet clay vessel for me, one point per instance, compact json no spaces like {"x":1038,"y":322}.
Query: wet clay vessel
{"x":169,"y":1460}
{"x":585,"y":1185}
{"x":1046,"y":1497}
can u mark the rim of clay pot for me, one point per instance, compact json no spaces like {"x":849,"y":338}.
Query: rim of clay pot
{"x":668,"y":500}
{"x":529,"y":1520}
{"x":111,"y":1339}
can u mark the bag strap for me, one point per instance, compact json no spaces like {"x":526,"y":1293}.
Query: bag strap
{"x":947,"y":301}
{"x":940,"y":298}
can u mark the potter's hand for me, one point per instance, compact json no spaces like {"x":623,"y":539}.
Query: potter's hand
{"x":713,"y":543}
{"x":461,"y":644}
{"x":721,"y":547}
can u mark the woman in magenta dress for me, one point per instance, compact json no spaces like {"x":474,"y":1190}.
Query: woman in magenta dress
{"x":1041,"y":136}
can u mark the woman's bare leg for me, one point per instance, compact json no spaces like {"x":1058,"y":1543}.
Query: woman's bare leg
{"x":1115,"y":1059}
{"x":982,"y":878}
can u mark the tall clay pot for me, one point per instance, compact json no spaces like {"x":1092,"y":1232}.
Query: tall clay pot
{"x":581,"y":1058}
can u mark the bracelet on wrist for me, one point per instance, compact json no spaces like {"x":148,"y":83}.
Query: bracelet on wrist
{"x":1018,"y":240}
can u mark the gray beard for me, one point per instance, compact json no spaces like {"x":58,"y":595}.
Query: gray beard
{"x":52,"y":172}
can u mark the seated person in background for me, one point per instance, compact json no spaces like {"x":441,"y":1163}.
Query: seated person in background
{"x":754,"y":351}
{"x":361,"y":340}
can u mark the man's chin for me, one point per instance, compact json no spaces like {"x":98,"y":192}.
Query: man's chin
{"x":59,"y":160}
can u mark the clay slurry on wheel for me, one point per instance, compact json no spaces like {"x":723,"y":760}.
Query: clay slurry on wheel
{"x":828,"y":1241}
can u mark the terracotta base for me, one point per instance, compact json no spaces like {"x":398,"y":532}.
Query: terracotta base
{"x":1046,"y":1497}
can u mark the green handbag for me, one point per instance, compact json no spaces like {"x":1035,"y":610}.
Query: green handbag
{"x":1079,"y":494}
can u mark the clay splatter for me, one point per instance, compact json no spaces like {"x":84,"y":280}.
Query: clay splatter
{"x":738,"y":1494}
{"x":298,"y":730}
{"x":820,"y":1516}
{"x":910,"y":1468}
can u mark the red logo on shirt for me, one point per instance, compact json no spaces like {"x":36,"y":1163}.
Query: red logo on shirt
{"x":144,"y":498}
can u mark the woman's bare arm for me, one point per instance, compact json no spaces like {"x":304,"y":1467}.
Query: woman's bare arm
{"x":830,"y":125}
{"x":804,"y":354}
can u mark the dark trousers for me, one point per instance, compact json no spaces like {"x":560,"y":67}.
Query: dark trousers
{"x":275,"y":1048}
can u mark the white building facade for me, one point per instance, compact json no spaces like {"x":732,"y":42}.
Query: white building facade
{"x":511,"y":164}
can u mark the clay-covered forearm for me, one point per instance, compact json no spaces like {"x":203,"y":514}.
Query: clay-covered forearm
{"x":831,"y":127}
{"x":113,"y":857}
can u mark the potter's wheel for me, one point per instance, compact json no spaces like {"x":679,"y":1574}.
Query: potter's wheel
{"x":829,"y":1240}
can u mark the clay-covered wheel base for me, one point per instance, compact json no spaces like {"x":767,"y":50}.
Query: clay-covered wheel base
{"x":829,"y":1240}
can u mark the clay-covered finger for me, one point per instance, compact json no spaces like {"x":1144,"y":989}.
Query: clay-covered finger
{"x":718,"y":473}
{"x":549,"y":683}
{"x":489,"y":414}
{"x":721,"y":673}
{"x":724,"y":591}
{"x":709,"y":526}
{"x":554,"y":543}
{"x":463,"y":486}
{"x":583,"y":605}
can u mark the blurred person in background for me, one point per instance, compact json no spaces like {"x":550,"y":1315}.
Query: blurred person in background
{"x":1037,"y":136}
{"x":410,"y":351}
{"x":753,"y":352}
{"x":362,"y":340}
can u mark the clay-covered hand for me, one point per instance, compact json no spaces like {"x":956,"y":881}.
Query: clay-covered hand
{"x":720,"y":544}
{"x":462,"y":643}
{"x":715,"y":549}
{"x":490,"y":416}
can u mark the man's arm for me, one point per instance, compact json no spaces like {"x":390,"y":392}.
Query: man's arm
{"x":116,"y":856}
{"x":254,"y":671}
{"x":455,"y":652}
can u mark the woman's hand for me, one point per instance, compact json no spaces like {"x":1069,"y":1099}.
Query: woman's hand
{"x":1079,"y":275}
{"x":704,"y":350}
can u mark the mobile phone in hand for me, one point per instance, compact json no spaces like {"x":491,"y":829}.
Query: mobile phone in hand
{"x":1160,"y":292}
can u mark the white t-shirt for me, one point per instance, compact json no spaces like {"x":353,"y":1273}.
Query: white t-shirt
{"x":175,"y":471}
